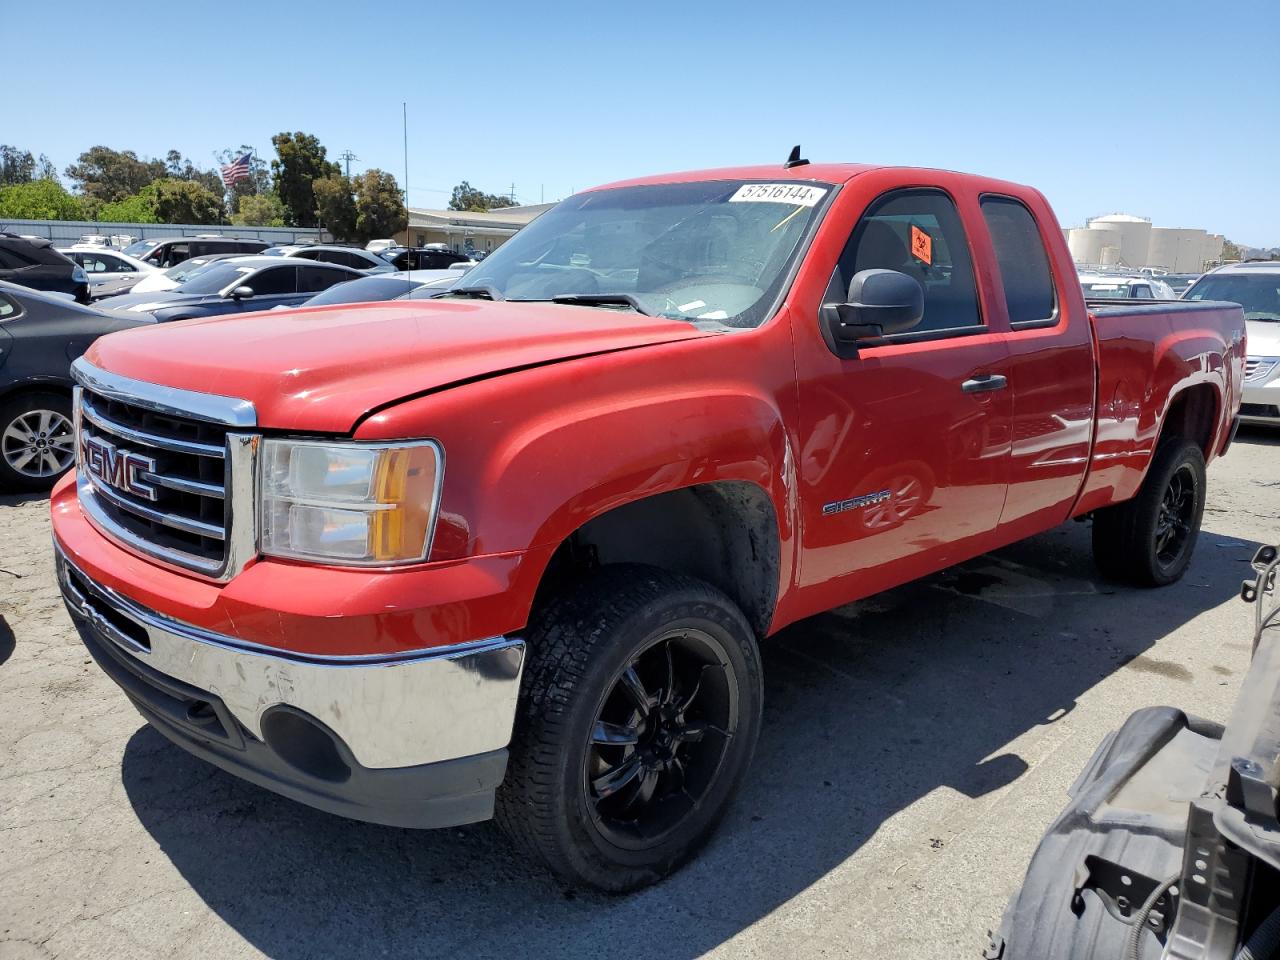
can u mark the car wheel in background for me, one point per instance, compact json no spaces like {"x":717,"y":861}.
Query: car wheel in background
{"x":37,"y":440}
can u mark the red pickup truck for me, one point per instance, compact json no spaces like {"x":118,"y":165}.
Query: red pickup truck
{"x":510,"y":552}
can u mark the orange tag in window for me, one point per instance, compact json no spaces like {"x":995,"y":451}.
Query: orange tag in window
{"x":921,"y":245}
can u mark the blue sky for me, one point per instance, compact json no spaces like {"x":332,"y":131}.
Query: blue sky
{"x":1162,"y":109}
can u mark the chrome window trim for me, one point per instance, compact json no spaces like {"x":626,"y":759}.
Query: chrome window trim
{"x":392,"y":710}
{"x":209,"y":407}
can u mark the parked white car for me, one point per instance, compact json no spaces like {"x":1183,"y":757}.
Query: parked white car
{"x":159,"y":280}
{"x":1256,"y":287}
{"x":1125,"y":286}
{"x":102,"y":264}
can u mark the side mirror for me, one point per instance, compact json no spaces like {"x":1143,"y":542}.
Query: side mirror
{"x":242,"y":293}
{"x":880,"y":303}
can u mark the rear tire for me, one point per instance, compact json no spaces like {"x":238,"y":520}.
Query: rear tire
{"x":1148,"y":541}
{"x":37,"y":442}
{"x":638,"y":716}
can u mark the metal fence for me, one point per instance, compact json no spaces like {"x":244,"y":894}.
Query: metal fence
{"x":64,"y":232}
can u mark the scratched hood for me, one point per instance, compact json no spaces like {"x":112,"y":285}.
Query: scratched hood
{"x":322,"y":369}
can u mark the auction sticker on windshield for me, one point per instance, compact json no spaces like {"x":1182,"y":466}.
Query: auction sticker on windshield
{"x":798,"y":194}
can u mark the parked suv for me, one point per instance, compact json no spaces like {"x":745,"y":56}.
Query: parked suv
{"x":33,"y":262}
{"x":425,"y":258}
{"x":168,"y":253}
{"x":1256,"y":287}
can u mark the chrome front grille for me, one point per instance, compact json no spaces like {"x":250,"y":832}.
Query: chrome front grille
{"x":165,"y":472}
{"x":1259,"y":368}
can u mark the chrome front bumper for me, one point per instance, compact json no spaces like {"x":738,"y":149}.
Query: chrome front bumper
{"x":402,"y":710}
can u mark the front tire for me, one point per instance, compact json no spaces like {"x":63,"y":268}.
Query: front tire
{"x":639,"y":714}
{"x":1148,"y":541}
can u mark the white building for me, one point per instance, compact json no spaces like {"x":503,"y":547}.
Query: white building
{"x":464,"y":231}
{"x":1122,"y":240}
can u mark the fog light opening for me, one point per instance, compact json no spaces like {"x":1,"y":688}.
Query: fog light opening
{"x":305,"y":744}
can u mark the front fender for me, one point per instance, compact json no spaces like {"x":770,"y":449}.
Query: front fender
{"x":533,"y":455}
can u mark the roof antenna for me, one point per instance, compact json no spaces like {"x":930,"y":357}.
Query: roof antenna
{"x":795,"y":160}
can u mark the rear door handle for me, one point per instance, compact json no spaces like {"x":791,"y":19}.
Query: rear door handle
{"x":984,"y":383}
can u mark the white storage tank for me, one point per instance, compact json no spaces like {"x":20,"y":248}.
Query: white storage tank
{"x":1092,"y":246}
{"x":1135,"y":236}
{"x":1178,"y":250}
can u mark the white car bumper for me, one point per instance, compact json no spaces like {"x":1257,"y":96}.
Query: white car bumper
{"x":1261,"y":391}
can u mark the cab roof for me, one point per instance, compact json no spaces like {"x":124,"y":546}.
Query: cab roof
{"x":823,"y":172}
{"x":835,"y":173}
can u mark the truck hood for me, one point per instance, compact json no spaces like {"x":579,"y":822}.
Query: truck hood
{"x":322,"y":369}
{"x":1264,"y":338}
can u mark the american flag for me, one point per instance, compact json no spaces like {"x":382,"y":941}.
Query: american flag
{"x":236,"y":170}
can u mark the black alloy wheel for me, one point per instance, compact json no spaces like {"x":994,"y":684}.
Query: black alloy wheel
{"x":1176,"y":516}
{"x":660,"y":738}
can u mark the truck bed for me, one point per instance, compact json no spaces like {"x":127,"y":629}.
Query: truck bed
{"x":1197,"y":345}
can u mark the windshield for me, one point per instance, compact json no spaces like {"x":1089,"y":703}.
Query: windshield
{"x":1258,"y":294}
{"x":185,"y":269}
{"x":712,"y":250}
{"x":140,"y":247}
{"x":364,"y":290}
{"x":214,"y":277}
{"x":1111,"y":290}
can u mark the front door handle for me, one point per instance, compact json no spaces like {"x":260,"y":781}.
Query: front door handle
{"x":984,"y":383}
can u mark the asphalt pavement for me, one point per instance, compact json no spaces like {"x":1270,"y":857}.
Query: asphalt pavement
{"x":915,"y":747}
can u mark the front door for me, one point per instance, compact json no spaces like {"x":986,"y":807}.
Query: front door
{"x":905,"y":448}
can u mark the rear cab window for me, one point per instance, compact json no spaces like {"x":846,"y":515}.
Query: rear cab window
{"x":1023,"y":262}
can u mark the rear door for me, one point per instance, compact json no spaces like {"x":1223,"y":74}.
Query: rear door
{"x":1051,"y":367}
{"x":311,"y":280}
{"x":273,"y":287}
{"x":904,"y":448}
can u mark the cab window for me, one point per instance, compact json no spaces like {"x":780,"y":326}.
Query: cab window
{"x":1020,"y":254}
{"x":919,"y":233}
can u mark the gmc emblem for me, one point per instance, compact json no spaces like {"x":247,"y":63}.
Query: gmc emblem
{"x":120,"y":469}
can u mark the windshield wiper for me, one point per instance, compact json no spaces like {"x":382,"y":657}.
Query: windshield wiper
{"x":482,"y":291}
{"x":603,"y":300}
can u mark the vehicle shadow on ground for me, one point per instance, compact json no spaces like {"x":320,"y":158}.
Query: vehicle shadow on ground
{"x":18,"y":499}
{"x":1265,"y":436}
{"x":868,"y":709}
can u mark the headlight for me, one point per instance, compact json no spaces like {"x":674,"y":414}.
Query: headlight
{"x":350,"y":503}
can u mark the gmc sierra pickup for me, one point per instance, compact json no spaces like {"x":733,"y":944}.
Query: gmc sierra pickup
{"x":510,"y":552}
